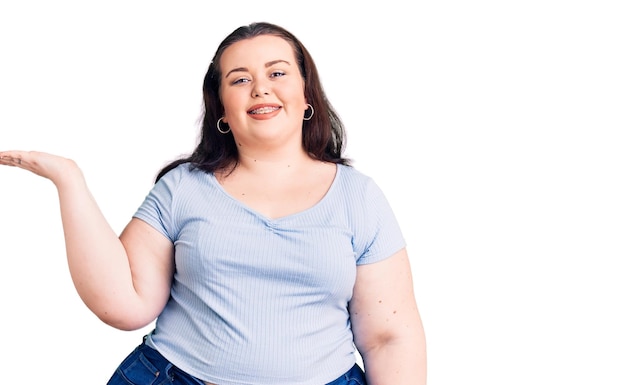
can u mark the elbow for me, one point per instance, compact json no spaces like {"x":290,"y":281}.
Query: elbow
{"x":373,"y":342}
{"x":125,"y":318}
{"x":124,"y":323}
{"x":406,"y":338}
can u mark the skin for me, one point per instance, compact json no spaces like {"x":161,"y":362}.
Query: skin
{"x":263,"y":72}
{"x":263,"y":96}
{"x":125,"y":279}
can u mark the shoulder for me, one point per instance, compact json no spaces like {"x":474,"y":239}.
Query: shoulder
{"x":352,"y":175}
{"x":182,"y":173}
{"x":181,"y":182}
{"x":355,"y":181}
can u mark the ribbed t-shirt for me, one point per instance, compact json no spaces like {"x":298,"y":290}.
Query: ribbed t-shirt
{"x":264,"y":301}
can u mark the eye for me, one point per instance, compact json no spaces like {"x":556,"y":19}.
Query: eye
{"x":240,"y":81}
{"x":277,"y":74}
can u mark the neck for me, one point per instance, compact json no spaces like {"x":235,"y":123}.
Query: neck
{"x":273,"y":161}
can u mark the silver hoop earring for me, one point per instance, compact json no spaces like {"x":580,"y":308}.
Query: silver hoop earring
{"x":220,"y":129}
{"x":312,"y":112}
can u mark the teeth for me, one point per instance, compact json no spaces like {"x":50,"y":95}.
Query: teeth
{"x":264,"y":110}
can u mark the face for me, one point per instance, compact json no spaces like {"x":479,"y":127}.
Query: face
{"x":262,"y":91}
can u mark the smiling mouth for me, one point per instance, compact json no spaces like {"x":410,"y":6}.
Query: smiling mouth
{"x":263,"y":110}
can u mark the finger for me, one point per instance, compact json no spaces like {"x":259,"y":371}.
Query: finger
{"x":10,"y":160}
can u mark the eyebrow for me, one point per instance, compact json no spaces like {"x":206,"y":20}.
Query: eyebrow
{"x":267,"y":65}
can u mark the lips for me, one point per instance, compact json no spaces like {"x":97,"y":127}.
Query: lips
{"x":260,"y":110}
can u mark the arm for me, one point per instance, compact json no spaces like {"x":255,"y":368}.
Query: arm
{"x":387,"y":328}
{"x":124,"y":281}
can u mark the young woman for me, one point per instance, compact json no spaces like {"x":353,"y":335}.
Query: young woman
{"x":264,"y":257}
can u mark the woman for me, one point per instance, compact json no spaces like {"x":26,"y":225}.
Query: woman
{"x":264,"y":257}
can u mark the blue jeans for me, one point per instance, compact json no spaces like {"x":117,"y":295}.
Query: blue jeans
{"x":146,"y":366}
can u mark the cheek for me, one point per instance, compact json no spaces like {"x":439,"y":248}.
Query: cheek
{"x":232,"y":103}
{"x":297,"y":95}
{"x":226,"y":99}
{"x":292,"y":89}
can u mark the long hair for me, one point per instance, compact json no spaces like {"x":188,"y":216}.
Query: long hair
{"x":323,"y":136}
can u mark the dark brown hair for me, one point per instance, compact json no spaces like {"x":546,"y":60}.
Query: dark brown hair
{"x":323,"y":136}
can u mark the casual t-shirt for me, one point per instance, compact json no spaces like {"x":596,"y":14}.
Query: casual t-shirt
{"x":264,"y":301}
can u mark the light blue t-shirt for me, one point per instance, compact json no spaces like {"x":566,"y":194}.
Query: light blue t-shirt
{"x":264,"y":301}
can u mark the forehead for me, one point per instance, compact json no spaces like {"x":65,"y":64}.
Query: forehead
{"x":257,"y":51}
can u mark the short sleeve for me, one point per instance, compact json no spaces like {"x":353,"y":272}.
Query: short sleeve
{"x":157,"y":207}
{"x":381,"y":236}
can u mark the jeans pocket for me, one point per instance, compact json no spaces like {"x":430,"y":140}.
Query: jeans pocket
{"x":356,"y":376}
{"x":136,"y":369}
{"x":355,"y":381}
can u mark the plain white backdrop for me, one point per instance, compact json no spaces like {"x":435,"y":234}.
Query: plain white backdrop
{"x":496,"y":129}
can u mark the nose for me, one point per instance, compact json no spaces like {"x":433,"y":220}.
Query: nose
{"x":260,"y":88}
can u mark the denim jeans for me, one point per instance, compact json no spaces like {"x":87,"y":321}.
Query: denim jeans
{"x":146,"y":366}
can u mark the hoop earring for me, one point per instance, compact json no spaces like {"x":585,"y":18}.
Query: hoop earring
{"x":312,"y":112}
{"x":220,"y":129}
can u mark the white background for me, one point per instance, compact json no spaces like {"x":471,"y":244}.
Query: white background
{"x":496,"y":129}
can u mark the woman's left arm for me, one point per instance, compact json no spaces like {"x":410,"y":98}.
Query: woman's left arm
{"x":387,"y":327}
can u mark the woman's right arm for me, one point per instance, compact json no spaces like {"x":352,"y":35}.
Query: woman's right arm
{"x":124,"y":280}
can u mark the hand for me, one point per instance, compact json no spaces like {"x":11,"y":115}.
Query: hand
{"x":46,"y":165}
